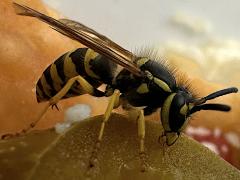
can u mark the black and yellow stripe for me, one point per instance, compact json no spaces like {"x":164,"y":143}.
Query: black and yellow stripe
{"x":85,"y":62}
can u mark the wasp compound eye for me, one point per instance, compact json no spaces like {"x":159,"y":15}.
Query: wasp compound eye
{"x":174,"y":112}
{"x":177,"y":112}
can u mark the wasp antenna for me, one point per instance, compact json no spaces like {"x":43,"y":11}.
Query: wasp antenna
{"x":221,"y":93}
{"x":216,"y":94}
{"x":215,"y":107}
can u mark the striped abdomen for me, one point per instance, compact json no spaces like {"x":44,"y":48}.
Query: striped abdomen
{"x":95,"y":68}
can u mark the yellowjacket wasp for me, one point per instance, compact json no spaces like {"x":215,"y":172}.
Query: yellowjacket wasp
{"x":142,"y":82}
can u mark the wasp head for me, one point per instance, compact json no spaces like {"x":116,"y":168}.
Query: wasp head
{"x":180,"y":105}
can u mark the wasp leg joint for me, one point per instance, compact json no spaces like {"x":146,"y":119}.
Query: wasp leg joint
{"x":85,"y":86}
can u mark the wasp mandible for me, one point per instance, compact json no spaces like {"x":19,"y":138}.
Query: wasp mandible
{"x":143,"y":82}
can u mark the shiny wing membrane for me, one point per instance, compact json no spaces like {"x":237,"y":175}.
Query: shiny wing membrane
{"x":86,"y":36}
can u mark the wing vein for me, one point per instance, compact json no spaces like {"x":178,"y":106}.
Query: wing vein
{"x":86,"y":36}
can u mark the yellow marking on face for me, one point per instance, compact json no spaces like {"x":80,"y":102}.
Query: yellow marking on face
{"x":90,"y":54}
{"x":171,"y":138}
{"x":143,"y":88}
{"x":184,"y":110}
{"x":190,"y":106}
{"x":57,"y":81}
{"x":46,"y":86}
{"x":165,"y":112}
{"x":184,"y":125}
{"x":39,"y":92}
{"x":69,"y":67}
{"x":142,"y":61}
{"x":162,"y":84}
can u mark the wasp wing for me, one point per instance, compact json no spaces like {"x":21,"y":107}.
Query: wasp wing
{"x":79,"y":27}
{"x":100,"y":38}
{"x":86,"y":36}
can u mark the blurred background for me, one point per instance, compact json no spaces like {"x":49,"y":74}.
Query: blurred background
{"x":137,"y":22}
{"x":200,"y":38}
{"x":206,"y":32}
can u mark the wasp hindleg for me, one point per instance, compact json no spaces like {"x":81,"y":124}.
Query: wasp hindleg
{"x":86,"y":88}
{"x":27,"y":129}
{"x":112,"y":104}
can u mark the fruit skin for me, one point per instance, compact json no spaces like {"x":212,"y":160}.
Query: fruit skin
{"x":48,"y":155}
{"x":218,"y":142}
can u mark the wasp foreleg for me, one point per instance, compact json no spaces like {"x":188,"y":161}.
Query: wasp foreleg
{"x":112,"y":104}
